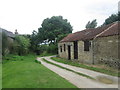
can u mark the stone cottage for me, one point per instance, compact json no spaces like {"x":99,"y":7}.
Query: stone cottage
{"x":10,"y":38}
{"x":9,"y":34}
{"x":92,"y":46}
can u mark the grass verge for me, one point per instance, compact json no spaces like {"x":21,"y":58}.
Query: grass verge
{"x":109,"y":72}
{"x":25,"y":72}
{"x":81,"y":74}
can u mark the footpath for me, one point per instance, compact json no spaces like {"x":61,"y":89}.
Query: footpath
{"x":78,"y":80}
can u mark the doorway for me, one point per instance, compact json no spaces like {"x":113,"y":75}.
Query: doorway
{"x":69,"y":52}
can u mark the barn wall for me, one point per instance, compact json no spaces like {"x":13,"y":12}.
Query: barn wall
{"x":85,"y":56}
{"x":64,"y":54}
{"x":106,"y":51}
{"x":103,"y":50}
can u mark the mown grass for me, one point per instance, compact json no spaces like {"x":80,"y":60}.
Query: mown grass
{"x":109,"y":72}
{"x":25,"y":72}
{"x":81,"y":74}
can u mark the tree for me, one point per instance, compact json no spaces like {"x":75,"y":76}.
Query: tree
{"x":60,"y":37}
{"x":34,"y":41}
{"x":112,"y":18}
{"x":53,"y":27}
{"x":91,"y":24}
{"x":51,"y":31}
{"x":21,"y":45}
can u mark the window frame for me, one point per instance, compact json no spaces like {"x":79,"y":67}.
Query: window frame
{"x":87,"y":45}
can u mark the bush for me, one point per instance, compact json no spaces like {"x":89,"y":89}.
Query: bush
{"x":21,"y":45}
{"x":45,"y":49}
{"x":37,"y":61}
{"x":52,"y":49}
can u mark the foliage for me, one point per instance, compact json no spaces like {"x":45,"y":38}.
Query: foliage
{"x":60,"y":37}
{"x":21,"y":45}
{"x":44,"y":49}
{"x":37,"y":61}
{"x":91,"y":24}
{"x":52,"y":49}
{"x":52,"y":30}
{"x":112,"y":18}
{"x":53,"y":27}
{"x":34,"y":41}
{"x":27,"y":73}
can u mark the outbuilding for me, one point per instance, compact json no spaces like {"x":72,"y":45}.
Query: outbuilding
{"x":92,"y":46}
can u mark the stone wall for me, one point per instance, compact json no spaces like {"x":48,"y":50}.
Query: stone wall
{"x":64,"y":54}
{"x":85,"y":56}
{"x":106,"y":51}
{"x":103,"y":50}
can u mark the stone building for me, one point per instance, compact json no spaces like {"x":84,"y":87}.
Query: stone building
{"x":92,"y":46}
{"x":10,"y":39}
{"x":9,"y":34}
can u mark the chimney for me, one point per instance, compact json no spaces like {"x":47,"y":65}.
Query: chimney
{"x":16,"y":31}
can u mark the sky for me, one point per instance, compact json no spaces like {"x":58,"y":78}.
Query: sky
{"x":27,"y":15}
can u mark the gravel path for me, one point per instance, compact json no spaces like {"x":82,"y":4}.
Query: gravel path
{"x":77,"y":80}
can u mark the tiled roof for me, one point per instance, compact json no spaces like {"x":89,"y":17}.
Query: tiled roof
{"x":88,"y":34}
{"x":113,"y":30}
{"x":8,"y":33}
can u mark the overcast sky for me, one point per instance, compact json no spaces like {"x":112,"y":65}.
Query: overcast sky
{"x":27,"y":15}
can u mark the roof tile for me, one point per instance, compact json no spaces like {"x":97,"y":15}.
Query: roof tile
{"x":91,"y":33}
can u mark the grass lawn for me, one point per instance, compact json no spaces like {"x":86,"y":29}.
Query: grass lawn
{"x":109,"y":72}
{"x":24,"y":72}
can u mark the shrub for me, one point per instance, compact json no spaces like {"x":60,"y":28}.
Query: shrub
{"x":21,"y":45}
{"x":37,"y":61}
{"x":52,"y":49}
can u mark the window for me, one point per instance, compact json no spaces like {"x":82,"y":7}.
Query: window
{"x":86,"y":45}
{"x":64,"y":47}
{"x":60,"y":48}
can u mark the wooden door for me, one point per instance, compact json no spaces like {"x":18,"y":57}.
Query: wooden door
{"x":69,"y":52}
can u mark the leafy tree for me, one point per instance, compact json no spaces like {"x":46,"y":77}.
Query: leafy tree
{"x":91,"y":24}
{"x":51,"y":31}
{"x":112,"y":18}
{"x":21,"y":45}
{"x":34,"y":41}
{"x":60,"y":37}
{"x":53,"y":27}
